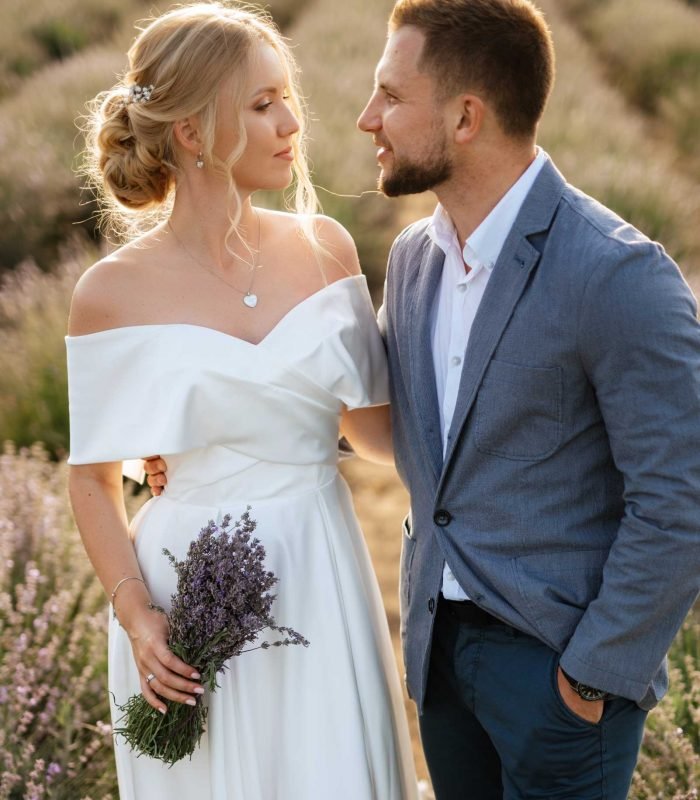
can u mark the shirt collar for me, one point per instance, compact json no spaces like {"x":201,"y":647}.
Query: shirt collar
{"x":441,"y":230}
{"x":484,"y":246}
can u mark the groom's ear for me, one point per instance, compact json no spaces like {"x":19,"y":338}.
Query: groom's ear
{"x":469,"y":111}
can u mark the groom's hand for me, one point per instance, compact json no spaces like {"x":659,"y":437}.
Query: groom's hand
{"x":156,"y":468}
{"x":590,"y":710}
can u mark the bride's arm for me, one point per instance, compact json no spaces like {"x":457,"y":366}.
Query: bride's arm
{"x":98,"y":505}
{"x":369,"y":432}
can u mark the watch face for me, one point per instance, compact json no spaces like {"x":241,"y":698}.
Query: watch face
{"x":585,"y":692}
{"x":589,"y":693}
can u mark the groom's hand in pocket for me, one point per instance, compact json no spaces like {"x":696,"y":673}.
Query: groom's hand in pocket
{"x":590,"y":710}
{"x":156,"y":468}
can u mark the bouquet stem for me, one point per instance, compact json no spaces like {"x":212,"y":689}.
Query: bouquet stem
{"x":168,"y":737}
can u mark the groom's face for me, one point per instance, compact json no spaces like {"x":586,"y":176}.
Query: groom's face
{"x":406,"y":120}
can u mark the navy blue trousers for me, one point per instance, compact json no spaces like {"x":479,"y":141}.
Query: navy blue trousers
{"x":494,"y":726}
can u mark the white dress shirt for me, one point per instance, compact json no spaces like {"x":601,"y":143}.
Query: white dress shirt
{"x":458,"y":298}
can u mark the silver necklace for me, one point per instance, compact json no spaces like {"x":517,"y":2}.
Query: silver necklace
{"x":250,"y":300}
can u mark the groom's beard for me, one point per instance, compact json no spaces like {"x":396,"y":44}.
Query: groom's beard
{"x":415,"y":177}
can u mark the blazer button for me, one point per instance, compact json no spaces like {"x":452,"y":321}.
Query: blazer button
{"x":431,"y":605}
{"x":442,"y":518}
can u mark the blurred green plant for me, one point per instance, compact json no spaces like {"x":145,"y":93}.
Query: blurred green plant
{"x":669,"y":764}
{"x":34,"y":34}
{"x":60,"y":38}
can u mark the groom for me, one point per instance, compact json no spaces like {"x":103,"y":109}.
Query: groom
{"x":545,"y":372}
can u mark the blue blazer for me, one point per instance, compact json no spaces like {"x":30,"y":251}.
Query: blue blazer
{"x":567,"y":503}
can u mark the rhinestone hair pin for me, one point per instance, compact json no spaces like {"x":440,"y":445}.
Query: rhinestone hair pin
{"x":138,"y":94}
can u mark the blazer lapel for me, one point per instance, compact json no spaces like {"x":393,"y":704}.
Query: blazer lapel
{"x":422,"y":370}
{"x":508,"y":280}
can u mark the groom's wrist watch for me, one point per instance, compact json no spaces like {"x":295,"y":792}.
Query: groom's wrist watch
{"x":586,"y":692}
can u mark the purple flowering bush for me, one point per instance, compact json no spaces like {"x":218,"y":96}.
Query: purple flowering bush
{"x":55,"y":737}
{"x":222,"y":604}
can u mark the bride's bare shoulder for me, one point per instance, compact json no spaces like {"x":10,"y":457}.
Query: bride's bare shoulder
{"x":337,"y":252}
{"x":105,"y":294}
{"x":339,"y":244}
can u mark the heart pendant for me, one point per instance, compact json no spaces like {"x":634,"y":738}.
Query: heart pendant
{"x":251,"y":300}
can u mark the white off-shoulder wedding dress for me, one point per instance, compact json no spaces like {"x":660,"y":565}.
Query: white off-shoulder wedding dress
{"x":243,"y":424}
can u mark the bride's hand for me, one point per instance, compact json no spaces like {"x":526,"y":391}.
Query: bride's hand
{"x":369,"y":432}
{"x":172,"y":678}
{"x":156,"y":468}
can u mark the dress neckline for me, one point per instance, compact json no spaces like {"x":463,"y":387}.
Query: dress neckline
{"x":289,"y":313}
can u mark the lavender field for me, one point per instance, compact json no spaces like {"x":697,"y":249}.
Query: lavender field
{"x":622,"y":124}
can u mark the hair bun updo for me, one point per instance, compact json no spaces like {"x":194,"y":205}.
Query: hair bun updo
{"x":129,"y":153}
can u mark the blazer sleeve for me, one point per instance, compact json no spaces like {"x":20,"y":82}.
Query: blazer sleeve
{"x":639,"y":342}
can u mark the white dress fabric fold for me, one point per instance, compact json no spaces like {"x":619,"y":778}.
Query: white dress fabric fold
{"x":257,"y":425}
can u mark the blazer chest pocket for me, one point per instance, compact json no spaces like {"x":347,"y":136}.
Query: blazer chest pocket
{"x":518,"y":411}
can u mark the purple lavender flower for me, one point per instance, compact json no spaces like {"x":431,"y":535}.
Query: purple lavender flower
{"x":222,"y":603}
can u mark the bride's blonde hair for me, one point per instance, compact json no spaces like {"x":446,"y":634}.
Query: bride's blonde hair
{"x":184,"y":55}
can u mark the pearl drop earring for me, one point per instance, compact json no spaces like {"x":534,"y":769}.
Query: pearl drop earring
{"x":199,"y":163}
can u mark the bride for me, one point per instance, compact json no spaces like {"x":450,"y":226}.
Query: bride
{"x":251,"y":336}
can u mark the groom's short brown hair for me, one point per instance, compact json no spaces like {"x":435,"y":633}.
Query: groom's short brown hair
{"x":502,"y":48}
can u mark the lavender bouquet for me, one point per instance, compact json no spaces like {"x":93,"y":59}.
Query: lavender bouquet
{"x":222,"y":603}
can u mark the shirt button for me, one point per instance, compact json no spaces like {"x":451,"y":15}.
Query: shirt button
{"x":461,"y":287}
{"x":442,"y":518}
{"x":431,"y":605}
{"x":455,"y":361}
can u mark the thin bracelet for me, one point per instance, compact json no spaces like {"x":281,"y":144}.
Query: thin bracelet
{"x":124,"y":580}
{"x":114,"y":591}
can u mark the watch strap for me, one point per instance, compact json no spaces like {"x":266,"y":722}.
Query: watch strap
{"x":585,"y":692}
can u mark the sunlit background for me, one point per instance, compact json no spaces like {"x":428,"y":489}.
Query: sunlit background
{"x":622,"y":124}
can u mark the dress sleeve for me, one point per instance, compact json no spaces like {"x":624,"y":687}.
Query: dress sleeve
{"x":123,"y":398}
{"x":106,"y":419}
{"x":368,"y":383}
